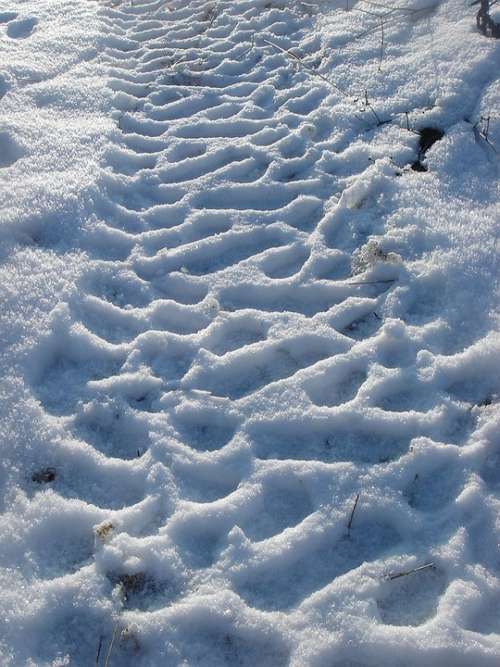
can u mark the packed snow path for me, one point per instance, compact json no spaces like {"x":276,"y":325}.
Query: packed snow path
{"x":261,"y":401}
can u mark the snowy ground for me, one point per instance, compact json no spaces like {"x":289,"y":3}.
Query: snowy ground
{"x":250,"y":357}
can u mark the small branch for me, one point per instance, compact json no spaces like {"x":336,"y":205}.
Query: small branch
{"x":374,"y":28}
{"x":308,"y":5}
{"x":485,"y":131}
{"x":212,"y":15}
{"x":373,"y":282}
{"x":369,"y":106}
{"x":395,"y":19}
{"x":306,"y":67}
{"x":99,"y":647}
{"x":313,"y":72}
{"x":381,"y":44}
{"x":490,"y":144}
{"x":427,"y":566}
{"x":252,"y":45}
{"x":112,"y":643}
{"x":481,"y":133}
{"x":397,"y":8}
{"x":349,"y":525}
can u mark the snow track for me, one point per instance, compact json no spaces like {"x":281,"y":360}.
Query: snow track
{"x":242,"y":363}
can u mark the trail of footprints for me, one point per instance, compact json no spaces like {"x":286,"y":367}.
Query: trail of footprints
{"x":223,"y":287}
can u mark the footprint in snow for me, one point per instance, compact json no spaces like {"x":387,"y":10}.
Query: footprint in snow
{"x":22,"y":28}
{"x":10,"y":151}
{"x":6,"y":17}
{"x":4,"y":86}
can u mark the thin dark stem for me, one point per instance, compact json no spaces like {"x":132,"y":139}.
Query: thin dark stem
{"x":381,"y":44}
{"x":306,"y":67}
{"x":110,"y":649}
{"x":370,"y":108}
{"x":99,"y":647}
{"x":427,"y":566}
{"x":313,"y":72}
{"x":393,"y":20}
{"x":373,"y":282}
{"x":349,"y":525}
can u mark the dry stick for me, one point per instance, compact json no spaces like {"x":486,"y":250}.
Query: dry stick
{"x":252,"y":46}
{"x":486,"y":131}
{"x":369,"y":106}
{"x":306,"y":67}
{"x":488,"y":142}
{"x":372,"y":282}
{"x":483,"y":134}
{"x":427,"y":566}
{"x":108,"y":656}
{"x":381,"y":17}
{"x":395,"y":19}
{"x":321,"y":76}
{"x":381,"y":44}
{"x":213,"y":15}
{"x":374,"y":28}
{"x":99,"y":647}
{"x":390,"y":8}
{"x":397,"y":8}
{"x":377,"y":15}
{"x":349,"y":525}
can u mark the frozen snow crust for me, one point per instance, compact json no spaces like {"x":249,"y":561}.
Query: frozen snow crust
{"x":250,"y":356}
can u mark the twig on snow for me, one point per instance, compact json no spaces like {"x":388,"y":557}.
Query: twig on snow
{"x":252,"y":45}
{"x":381,"y":43}
{"x":305,"y":67}
{"x":372,"y":282}
{"x":397,"y":575}
{"x":369,"y":106}
{"x":313,"y":72}
{"x":111,"y":644}
{"x":483,"y":132}
{"x":487,"y":129}
{"x":349,"y":525}
{"x":98,"y":655}
{"x":394,"y":19}
{"x":212,"y":15}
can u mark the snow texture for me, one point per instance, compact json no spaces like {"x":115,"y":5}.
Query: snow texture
{"x":250,"y":360}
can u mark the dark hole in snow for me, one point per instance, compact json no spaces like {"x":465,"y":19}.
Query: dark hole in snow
{"x":428,"y":137}
{"x":133,"y":583}
{"x":418,"y":166}
{"x":44,"y":476}
{"x":142,"y":592}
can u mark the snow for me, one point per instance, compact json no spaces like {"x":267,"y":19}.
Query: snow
{"x":249,"y":352}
